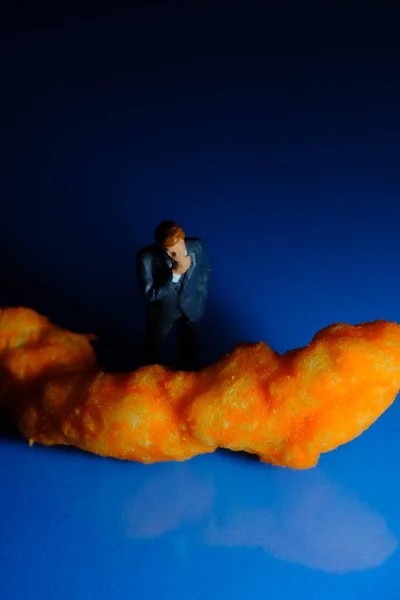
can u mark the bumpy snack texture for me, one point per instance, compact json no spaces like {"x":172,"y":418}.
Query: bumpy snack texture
{"x":287,"y":409}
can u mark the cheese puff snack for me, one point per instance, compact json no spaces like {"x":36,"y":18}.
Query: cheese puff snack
{"x":287,"y":409}
{"x":33,"y":349}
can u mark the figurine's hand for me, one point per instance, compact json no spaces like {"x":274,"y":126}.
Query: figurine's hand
{"x":181,"y":265}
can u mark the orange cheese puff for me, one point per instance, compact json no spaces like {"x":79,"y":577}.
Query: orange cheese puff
{"x":32,"y":348}
{"x":287,"y":409}
{"x":135,"y":416}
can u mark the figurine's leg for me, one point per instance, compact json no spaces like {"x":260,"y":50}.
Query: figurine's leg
{"x":156,"y":336}
{"x":188,"y":344}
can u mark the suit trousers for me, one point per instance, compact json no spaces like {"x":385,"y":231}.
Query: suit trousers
{"x":157,"y":332}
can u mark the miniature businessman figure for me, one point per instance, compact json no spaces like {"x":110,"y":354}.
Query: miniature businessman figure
{"x":173,"y":276}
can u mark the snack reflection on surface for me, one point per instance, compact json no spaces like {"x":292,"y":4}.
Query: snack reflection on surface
{"x":288,"y":409}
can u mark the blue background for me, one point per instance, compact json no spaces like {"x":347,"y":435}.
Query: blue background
{"x":274,"y":136}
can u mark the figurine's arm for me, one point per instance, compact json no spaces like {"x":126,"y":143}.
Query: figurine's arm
{"x":146,"y":282}
{"x":205,"y":274}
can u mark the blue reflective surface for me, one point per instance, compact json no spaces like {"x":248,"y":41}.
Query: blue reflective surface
{"x":277,"y":142}
{"x":222,"y":525}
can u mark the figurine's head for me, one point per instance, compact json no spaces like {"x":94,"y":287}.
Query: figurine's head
{"x":171,"y":238}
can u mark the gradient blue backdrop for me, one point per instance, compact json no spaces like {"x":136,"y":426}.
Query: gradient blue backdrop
{"x":274,"y":136}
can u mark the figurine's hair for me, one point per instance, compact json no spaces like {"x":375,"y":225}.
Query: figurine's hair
{"x":168,"y":233}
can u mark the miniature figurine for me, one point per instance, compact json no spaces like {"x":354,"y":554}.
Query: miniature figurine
{"x":173,"y":276}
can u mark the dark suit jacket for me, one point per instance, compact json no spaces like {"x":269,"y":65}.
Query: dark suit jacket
{"x":166,"y":298}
